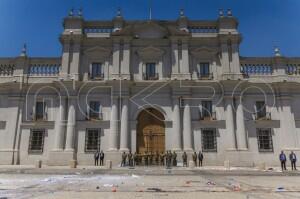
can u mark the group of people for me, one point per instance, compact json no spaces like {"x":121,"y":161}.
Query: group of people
{"x":99,"y":155}
{"x":168,"y":158}
{"x":292,"y":157}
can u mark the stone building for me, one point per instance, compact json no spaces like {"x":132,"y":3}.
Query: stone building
{"x":149,"y":85}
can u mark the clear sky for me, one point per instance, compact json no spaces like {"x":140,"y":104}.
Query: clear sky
{"x":263,"y":23}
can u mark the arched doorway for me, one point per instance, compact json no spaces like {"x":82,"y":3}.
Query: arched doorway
{"x":150,"y":131}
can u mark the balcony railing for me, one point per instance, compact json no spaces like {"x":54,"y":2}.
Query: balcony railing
{"x":150,"y":76}
{"x":44,"y":70}
{"x":7,"y":70}
{"x":262,"y":116}
{"x":256,"y":69}
{"x":208,"y":116}
{"x":94,"y":116}
{"x":207,"y":76}
{"x":99,"y":76}
{"x":98,"y":30}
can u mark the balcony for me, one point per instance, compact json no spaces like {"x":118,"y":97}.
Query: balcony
{"x":150,"y":76}
{"x":292,"y":69}
{"x":40,"y":117}
{"x":262,"y":116}
{"x":44,"y":69}
{"x":256,"y":69}
{"x":7,"y":70}
{"x":208,"y":116}
{"x":99,"y":76}
{"x":208,"y":76}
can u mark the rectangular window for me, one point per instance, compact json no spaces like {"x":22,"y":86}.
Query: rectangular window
{"x":260,"y":109}
{"x":95,"y":110}
{"x":150,"y":71}
{"x":264,"y":140}
{"x":209,"y":140}
{"x":96,"y":71}
{"x":206,"y":109}
{"x":204,"y":70}
{"x":92,"y":140}
{"x":40,"y":110}
{"x":36,"y":141}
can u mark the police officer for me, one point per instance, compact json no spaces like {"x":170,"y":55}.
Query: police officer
{"x":293,"y":159}
{"x":96,"y":157}
{"x":157,"y":158}
{"x":184,"y":159}
{"x":174,"y":158}
{"x":162,"y":158}
{"x":130,"y":159}
{"x":123,"y":163}
{"x":195,"y":158}
{"x":200,"y":158}
{"x":135,"y":158}
{"x":101,"y":158}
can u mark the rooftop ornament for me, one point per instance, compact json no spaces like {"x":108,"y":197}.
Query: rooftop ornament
{"x":277,"y":52}
{"x":181,"y":13}
{"x":229,"y":12}
{"x":80,"y":12}
{"x":71,"y":13}
{"x":24,"y":51}
{"x":221,"y":13}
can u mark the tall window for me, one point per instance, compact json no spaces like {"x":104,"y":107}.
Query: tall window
{"x":150,"y":71}
{"x":95,"y":110}
{"x":206,"y":109}
{"x":92,"y":140}
{"x":260,"y":109}
{"x":96,"y":70}
{"x":40,"y":110}
{"x":36,"y":141}
{"x":264,"y":140}
{"x":209,"y":140}
{"x":204,"y":70}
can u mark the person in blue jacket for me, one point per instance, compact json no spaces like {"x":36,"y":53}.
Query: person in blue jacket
{"x":282,"y":159}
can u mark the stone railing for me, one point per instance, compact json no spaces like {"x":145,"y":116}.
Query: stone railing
{"x":7,"y":69}
{"x":44,"y":69}
{"x":203,"y":29}
{"x":98,"y":30}
{"x":292,"y":69}
{"x":256,"y":69}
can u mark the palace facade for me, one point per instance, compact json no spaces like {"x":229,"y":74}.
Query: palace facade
{"x":149,"y":85}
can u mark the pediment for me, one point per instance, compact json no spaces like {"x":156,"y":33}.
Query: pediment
{"x":150,"y":52}
{"x":98,"y":51}
{"x":204,"y":52}
{"x":150,"y":30}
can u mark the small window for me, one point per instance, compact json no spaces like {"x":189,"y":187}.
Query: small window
{"x":264,"y":140}
{"x":95,"y":110}
{"x":92,"y":140}
{"x":260,"y":109}
{"x":40,"y":110}
{"x":96,"y":71}
{"x":209,"y":140}
{"x":150,"y":71}
{"x":36,"y":141}
{"x":206,"y":108}
{"x":204,"y":70}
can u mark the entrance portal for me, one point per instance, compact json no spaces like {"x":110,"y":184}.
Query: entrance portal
{"x":150,"y":131}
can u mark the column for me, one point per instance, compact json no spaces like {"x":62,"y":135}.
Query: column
{"x":113,"y":138}
{"x":187,"y":127}
{"x":60,"y":126}
{"x":116,"y":58}
{"x":225,"y":58}
{"x":240,"y":126}
{"x":230,"y":124}
{"x":126,"y":59}
{"x":235,"y":59}
{"x":71,"y":125}
{"x":176,"y":126}
{"x":185,"y":67}
{"x":175,"y":61}
{"x":124,"y":125}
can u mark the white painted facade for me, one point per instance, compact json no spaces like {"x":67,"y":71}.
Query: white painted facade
{"x":124,"y":48}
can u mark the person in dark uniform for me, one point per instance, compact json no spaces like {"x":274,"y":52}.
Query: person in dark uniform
{"x":151,"y":158}
{"x":101,"y":158}
{"x":293,"y":159}
{"x":194,"y":156}
{"x":168,"y":159}
{"x":123,"y":163}
{"x":162,"y":158}
{"x":184,"y":159}
{"x":146,"y":156}
{"x":135,"y":159}
{"x":96,"y":157}
{"x":130,"y":159}
{"x":200,"y":158}
{"x":282,"y":159}
{"x":157,"y":158}
{"x":174,"y":156}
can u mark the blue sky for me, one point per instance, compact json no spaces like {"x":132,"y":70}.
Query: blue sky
{"x":263,"y":23}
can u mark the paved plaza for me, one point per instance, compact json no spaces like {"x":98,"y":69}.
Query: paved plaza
{"x":147,"y":182}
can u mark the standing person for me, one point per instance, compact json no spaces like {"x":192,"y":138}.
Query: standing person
{"x":130,"y":159}
{"x":151,"y":158}
{"x":157,"y":158}
{"x":293,"y":159}
{"x":123,"y":163}
{"x":96,"y":157}
{"x":101,"y":158}
{"x":282,"y":159}
{"x":162,"y":159}
{"x":135,"y":159}
{"x":174,"y":159}
{"x":146,"y":158}
{"x":195,"y":158}
{"x":184,"y":159}
{"x":200,"y":158}
{"x":168,"y":159}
